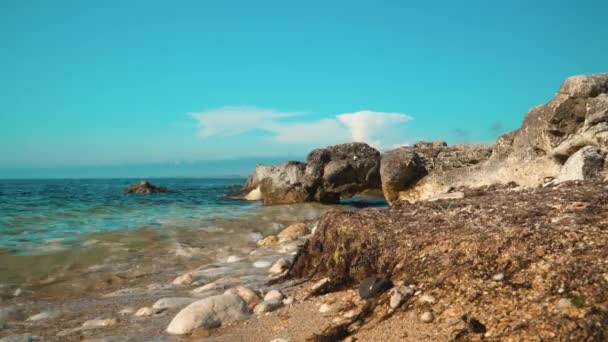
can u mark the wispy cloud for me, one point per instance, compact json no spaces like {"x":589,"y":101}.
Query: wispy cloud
{"x":375,"y":128}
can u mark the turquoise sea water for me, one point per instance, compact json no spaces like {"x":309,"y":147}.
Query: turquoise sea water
{"x":34,"y":213}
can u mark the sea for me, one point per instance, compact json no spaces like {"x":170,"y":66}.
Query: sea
{"x":63,"y":234}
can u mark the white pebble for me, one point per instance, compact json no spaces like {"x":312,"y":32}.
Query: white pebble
{"x":427,"y":317}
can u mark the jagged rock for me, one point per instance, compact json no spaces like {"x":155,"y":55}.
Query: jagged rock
{"x":145,"y":187}
{"x":402,"y":168}
{"x":586,"y":163}
{"x":340,"y":170}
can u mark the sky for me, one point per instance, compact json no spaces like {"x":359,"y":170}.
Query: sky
{"x":129,"y":88}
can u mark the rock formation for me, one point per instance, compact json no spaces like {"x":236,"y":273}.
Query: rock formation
{"x":145,"y":187}
{"x":340,"y":170}
{"x":550,"y":134}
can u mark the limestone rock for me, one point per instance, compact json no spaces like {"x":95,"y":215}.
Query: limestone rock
{"x":586,"y":163}
{"x":208,"y":313}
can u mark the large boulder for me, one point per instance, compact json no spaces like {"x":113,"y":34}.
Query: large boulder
{"x":342,"y":170}
{"x":209,"y":313}
{"x":587,"y":163}
{"x":328,"y":174}
{"x":403,"y":167}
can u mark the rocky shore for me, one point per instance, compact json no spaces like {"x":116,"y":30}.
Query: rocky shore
{"x":480,"y":242}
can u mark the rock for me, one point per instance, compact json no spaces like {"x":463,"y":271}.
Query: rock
{"x":288,"y":301}
{"x":267,"y":306}
{"x":208,"y":313}
{"x":499,"y":277}
{"x":145,"y":311}
{"x":126,"y":311}
{"x":586,"y":163}
{"x":45,"y":315}
{"x":254,"y":195}
{"x":233,"y":258}
{"x":280,"y":266}
{"x":145,"y":187}
{"x":292,"y":232}
{"x":268,"y":241}
{"x":261,"y":264}
{"x":399,"y":295}
{"x":19,"y":338}
{"x":279,"y":340}
{"x":172,"y":303}
{"x":427,"y":299}
{"x":340,"y":170}
{"x":427,"y":317}
{"x":99,"y":323}
{"x":402,"y":168}
{"x":324,"y":308}
{"x":564,"y":303}
{"x":185,"y":279}
{"x":274,"y":296}
{"x":250,"y":297}
{"x":371,"y":286}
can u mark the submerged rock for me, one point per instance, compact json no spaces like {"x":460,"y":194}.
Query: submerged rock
{"x":145,"y":187}
{"x":208,"y":313}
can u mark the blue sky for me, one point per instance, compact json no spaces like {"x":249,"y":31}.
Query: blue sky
{"x":94,"y":84}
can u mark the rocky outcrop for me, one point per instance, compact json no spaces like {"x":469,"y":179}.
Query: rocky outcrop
{"x":498,"y":254}
{"x":401,"y":168}
{"x":145,"y":187}
{"x":328,"y":174}
{"x":550,"y":134}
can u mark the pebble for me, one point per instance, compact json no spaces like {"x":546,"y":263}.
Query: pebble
{"x":427,"y":299}
{"x":185,"y":279}
{"x":274,"y":296}
{"x":279,"y":340}
{"x":325,"y":308}
{"x":126,"y":311}
{"x":564,"y":303}
{"x":427,"y":317}
{"x":288,"y":301}
{"x":233,"y":258}
{"x":145,"y":311}
{"x":267,"y":306}
{"x":499,"y":277}
{"x":371,"y":286}
{"x":17,"y":292}
{"x":99,"y":323}
{"x":399,"y":295}
{"x":261,"y":264}
{"x":45,"y":315}
{"x":280,"y":266}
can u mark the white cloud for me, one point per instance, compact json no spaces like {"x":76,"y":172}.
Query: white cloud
{"x":378,"y":129}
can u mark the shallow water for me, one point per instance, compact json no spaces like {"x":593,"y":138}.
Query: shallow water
{"x":60,"y":236}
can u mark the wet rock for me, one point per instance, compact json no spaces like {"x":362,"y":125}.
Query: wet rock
{"x":261,"y":264}
{"x":145,"y":187}
{"x":427,"y":317}
{"x":292,"y":232}
{"x":267,"y":306}
{"x":185,"y":279}
{"x":280,"y":266}
{"x":274,"y":296}
{"x":252,"y":298}
{"x":372,"y":286}
{"x":145,"y":311}
{"x":99,"y":323}
{"x":172,"y":303}
{"x":208,"y":313}
{"x":45,"y":315}
{"x":233,"y":258}
{"x":268,"y":241}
